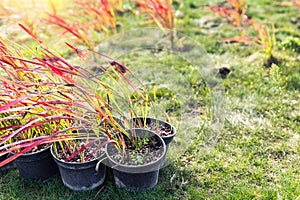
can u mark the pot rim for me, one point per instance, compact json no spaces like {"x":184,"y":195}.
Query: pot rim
{"x":144,"y":165}
{"x":74,"y":163}
{"x":33,"y":153}
{"x":160,"y":121}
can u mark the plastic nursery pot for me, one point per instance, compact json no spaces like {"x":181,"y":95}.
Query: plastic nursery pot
{"x":4,"y":169}
{"x":80,"y":176}
{"x":37,"y":165}
{"x":136,"y":177}
{"x":139,"y":122}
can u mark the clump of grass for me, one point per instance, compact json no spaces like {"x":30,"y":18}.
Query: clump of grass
{"x":74,"y":29}
{"x":101,"y":14}
{"x":252,"y":32}
{"x":99,"y":17}
{"x":267,"y":40}
{"x":234,"y":11}
{"x":295,"y":3}
{"x":291,"y":43}
{"x":30,"y":103}
{"x":161,"y":13}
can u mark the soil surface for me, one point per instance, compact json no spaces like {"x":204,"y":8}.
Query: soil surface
{"x":39,"y":148}
{"x":160,"y":129}
{"x":272,"y":60}
{"x":139,"y":152}
{"x":88,"y":152}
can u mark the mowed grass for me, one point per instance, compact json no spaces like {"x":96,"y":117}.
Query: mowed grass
{"x":257,"y":153}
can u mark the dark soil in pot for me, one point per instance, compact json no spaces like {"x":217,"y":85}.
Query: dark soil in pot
{"x":137,"y":168}
{"x":162,"y":128}
{"x":37,"y":165}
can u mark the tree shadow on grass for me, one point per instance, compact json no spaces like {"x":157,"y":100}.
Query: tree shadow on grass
{"x":173,"y":183}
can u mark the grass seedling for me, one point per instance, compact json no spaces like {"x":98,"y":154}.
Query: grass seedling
{"x":291,"y":3}
{"x":234,"y":11}
{"x":266,"y":39}
{"x":74,"y":29}
{"x":101,"y":14}
{"x":161,"y":12}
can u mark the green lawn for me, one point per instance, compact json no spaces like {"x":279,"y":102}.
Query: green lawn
{"x":256,"y":155}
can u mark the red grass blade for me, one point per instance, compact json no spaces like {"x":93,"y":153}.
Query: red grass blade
{"x":31,"y":34}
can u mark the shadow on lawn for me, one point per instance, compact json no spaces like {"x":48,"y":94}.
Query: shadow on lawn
{"x":173,"y":184}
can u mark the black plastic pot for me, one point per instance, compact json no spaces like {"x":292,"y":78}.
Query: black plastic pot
{"x":4,"y":169}
{"x":141,"y":177}
{"x":37,"y":165}
{"x":80,"y":176}
{"x":138,"y":121}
